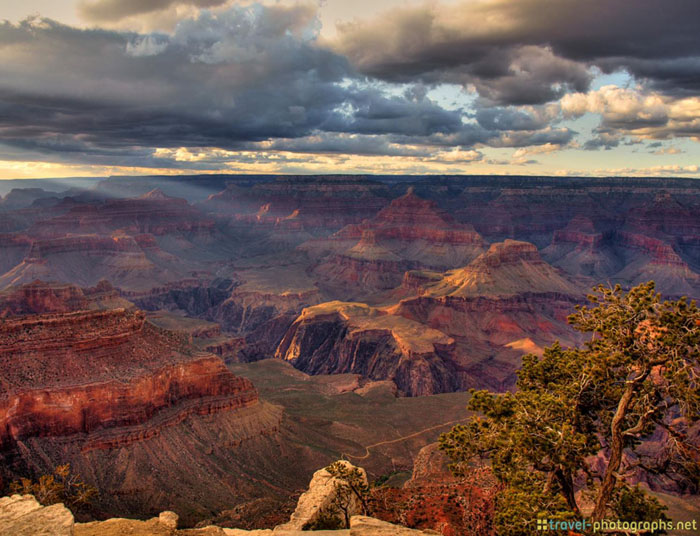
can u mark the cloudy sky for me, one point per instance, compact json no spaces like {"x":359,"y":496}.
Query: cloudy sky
{"x":555,"y":87}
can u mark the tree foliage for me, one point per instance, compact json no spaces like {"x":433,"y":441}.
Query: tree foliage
{"x":574,"y":425}
{"x":60,"y":487}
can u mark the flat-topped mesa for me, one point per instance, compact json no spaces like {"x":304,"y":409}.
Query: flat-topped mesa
{"x":368,"y":248}
{"x":344,"y":337}
{"x":86,"y":371}
{"x":509,"y":252}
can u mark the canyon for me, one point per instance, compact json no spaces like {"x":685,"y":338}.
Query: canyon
{"x":234,"y":334}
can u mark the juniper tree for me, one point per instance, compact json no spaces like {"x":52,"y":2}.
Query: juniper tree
{"x":637,"y":374}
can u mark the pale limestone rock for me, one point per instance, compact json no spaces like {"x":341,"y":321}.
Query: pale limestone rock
{"x":22,"y":515}
{"x":321,"y":492}
{"x":169,"y":519}
{"x":369,"y":526}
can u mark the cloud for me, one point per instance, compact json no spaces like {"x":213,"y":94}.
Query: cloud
{"x":668,"y":150}
{"x":247,"y":74}
{"x":528,"y":51}
{"x":249,"y":78}
{"x":541,"y":149}
{"x":516,"y":118}
{"x":114,"y":10}
{"x":239,"y":83}
{"x":638,"y":112}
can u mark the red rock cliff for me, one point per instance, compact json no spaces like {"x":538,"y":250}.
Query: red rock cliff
{"x":86,"y":371}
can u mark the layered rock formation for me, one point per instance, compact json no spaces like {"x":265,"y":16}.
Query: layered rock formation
{"x":633,"y":254}
{"x":312,"y":205}
{"x":22,"y":515}
{"x":125,"y":403}
{"x":581,"y":250}
{"x":505,"y":303}
{"x":152,"y":213}
{"x":652,"y":259}
{"x":39,"y":297}
{"x":409,"y":233}
{"x":506,"y":269}
{"x":465,"y":328}
{"x":338,"y":337}
{"x":47,"y":359}
{"x":86,"y":259}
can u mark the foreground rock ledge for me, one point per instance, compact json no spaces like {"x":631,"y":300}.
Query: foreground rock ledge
{"x":22,"y":515}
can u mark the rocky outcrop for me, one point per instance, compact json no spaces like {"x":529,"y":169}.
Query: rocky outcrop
{"x":322,"y":491}
{"x":246,"y":309}
{"x":506,"y":302}
{"x":227,"y":348}
{"x":467,"y":328}
{"x":87,"y":259}
{"x":339,"y":337}
{"x":134,"y":408}
{"x":22,"y":515}
{"x":196,"y":297}
{"x":39,"y":297}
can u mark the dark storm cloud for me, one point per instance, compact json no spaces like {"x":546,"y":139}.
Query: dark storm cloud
{"x":530,"y":51}
{"x":225,"y":80}
{"x":111,"y":10}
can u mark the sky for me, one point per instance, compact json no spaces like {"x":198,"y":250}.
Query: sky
{"x":524,"y":87}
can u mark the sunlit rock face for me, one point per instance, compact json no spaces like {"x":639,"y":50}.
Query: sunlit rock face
{"x":462,"y":328}
{"x":85,"y":371}
{"x":111,"y":394}
{"x":339,"y":337}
